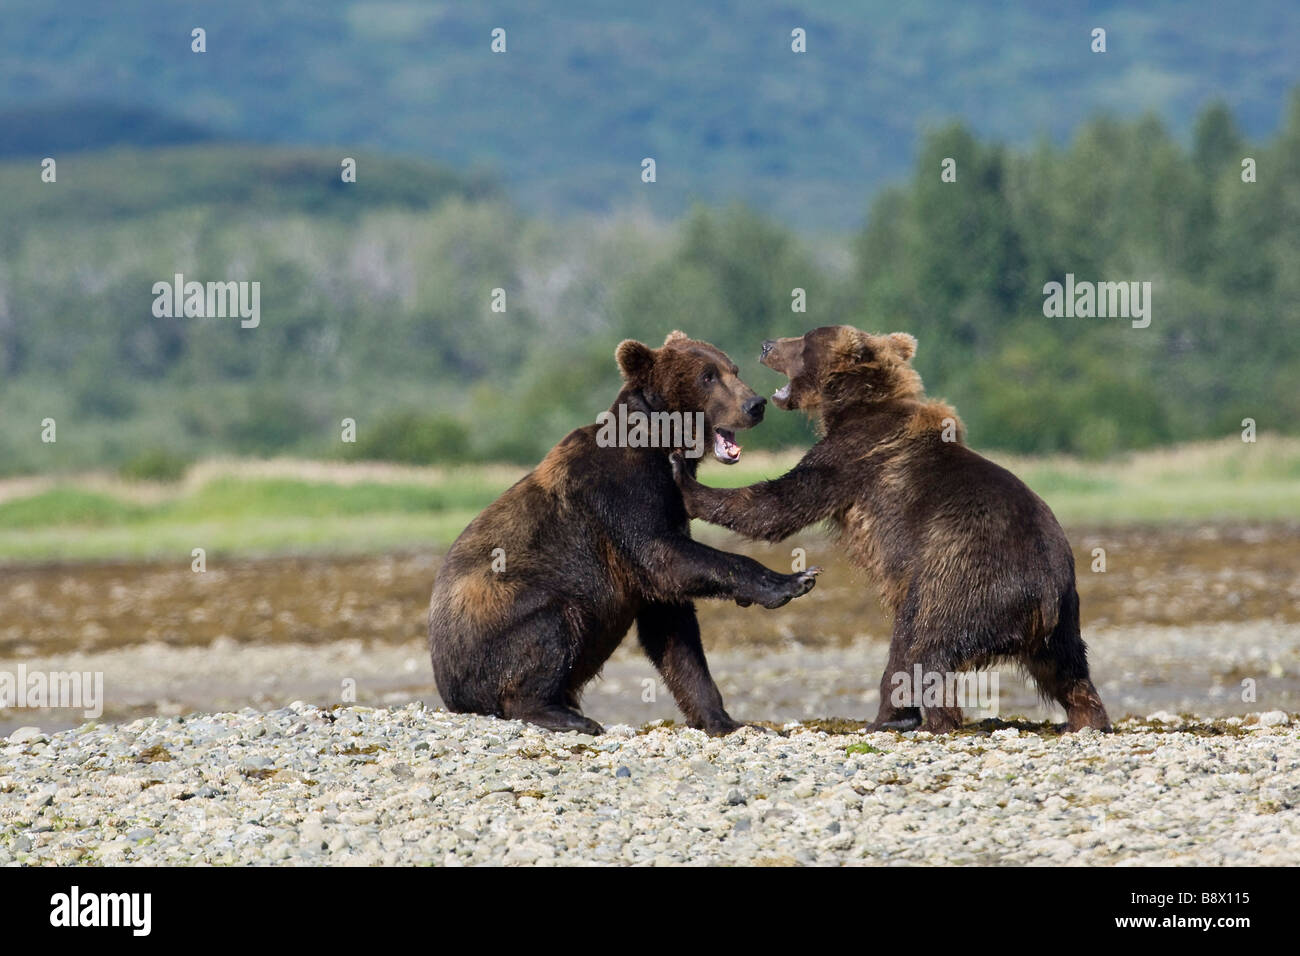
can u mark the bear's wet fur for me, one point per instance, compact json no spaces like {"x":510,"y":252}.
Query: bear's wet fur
{"x":972,"y":564}
{"x":542,"y":586}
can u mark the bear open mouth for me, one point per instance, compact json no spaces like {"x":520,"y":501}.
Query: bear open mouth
{"x":725,"y":448}
{"x":781,"y":397}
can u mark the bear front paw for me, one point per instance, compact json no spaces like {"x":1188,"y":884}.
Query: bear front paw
{"x":793,"y":586}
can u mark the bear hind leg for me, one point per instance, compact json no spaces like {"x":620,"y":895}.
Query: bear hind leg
{"x":892,"y":716}
{"x":1060,"y":669}
{"x":541,"y":692}
{"x":936,"y":659}
{"x":556,"y":716}
{"x":1074,"y":692}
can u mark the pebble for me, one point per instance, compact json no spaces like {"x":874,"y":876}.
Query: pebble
{"x":28,"y":735}
{"x":41,"y":798}
{"x":419,"y":786}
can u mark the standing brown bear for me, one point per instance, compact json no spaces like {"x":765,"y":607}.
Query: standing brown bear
{"x":542,"y":586}
{"x":974,"y":566}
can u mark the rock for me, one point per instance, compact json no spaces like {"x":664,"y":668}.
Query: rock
{"x":841,"y":841}
{"x":289,"y":776}
{"x":1274,"y":718}
{"x":28,"y":735}
{"x":41,"y":798}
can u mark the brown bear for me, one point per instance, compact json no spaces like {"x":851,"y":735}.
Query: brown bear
{"x":542,"y":586}
{"x":973,"y":565}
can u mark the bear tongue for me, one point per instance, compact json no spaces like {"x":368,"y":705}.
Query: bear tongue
{"x":724,"y":447}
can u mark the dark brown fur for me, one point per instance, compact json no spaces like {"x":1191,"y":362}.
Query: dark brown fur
{"x":972,"y":564}
{"x":594,"y":539}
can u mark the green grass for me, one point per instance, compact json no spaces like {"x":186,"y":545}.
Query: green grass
{"x":1208,"y":500}
{"x":276,"y":498}
{"x":235,"y":509}
{"x":863,"y":748}
{"x":67,"y":506}
{"x":242,"y":536}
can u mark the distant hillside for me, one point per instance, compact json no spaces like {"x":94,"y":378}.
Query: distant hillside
{"x":126,"y":183}
{"x":451,"y":326}
{"x":587,"y":89}
{"x":56,"y":128}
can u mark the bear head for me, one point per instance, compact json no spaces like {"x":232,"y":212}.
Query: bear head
{"x":686,"y":375}
{"x":837,"y":366}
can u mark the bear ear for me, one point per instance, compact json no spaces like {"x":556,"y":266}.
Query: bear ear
{"x":676,"y":336}
{"x":861,"y":346}
{"x":904,"y":345}
{"x":634,"y":360}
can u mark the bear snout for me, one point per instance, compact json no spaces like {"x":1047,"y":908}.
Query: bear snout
{"x":754,"y":408}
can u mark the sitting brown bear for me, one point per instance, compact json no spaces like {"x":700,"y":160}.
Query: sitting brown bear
{"x":973,"y":564}
{"x":541,"y":587}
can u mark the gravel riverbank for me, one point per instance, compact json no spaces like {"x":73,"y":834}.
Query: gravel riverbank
{"x":1197,"y":669}
{"x":412,"y":785}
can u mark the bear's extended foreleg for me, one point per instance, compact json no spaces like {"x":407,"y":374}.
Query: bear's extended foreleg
{"x":769,"y":510}
{"x":678,"y":567}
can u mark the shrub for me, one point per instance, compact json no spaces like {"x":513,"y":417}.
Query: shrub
{"x":412,"y":438}
{"x":157,"y":464}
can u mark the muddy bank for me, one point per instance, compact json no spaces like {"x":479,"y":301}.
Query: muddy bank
{"x":1160,"y":575}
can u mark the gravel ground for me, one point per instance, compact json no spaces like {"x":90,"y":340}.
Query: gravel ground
{"x":1195,"y":669}
{"x":405,"y":785}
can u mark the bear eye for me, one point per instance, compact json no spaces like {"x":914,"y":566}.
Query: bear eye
{"x":708,"y":377}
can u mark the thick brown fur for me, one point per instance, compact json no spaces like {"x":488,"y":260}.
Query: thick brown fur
{"x":972,"y":564}
{"x":592,"y":540}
